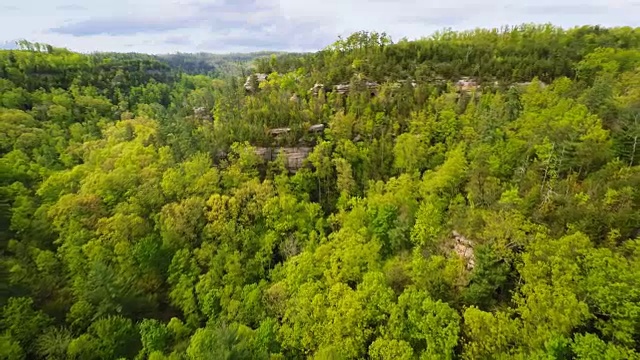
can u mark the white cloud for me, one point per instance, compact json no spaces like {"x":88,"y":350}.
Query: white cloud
{"x":158,"y":26}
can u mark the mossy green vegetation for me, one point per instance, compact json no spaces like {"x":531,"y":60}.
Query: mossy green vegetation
{"x":495,"y":218}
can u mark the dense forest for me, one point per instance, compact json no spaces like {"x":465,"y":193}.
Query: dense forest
{"x":215,"y":65}
{"x":473,"y":195}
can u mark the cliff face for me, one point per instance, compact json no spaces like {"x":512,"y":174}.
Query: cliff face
{"x":463,"y":247}
{"x":259,"y":78}
{"x":294,"y":156}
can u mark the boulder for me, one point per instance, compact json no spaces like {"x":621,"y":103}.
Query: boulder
{"x":279,"y":131}
{"x":259,"y":77}
{"x":316,"y":129}
{"x":464,"y":248}
{"x":316,"y":89}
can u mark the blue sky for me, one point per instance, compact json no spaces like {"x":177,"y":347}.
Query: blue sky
{"x":221,"y":26}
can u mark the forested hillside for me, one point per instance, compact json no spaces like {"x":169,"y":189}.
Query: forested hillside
{"x":214,"y":64}
{"x":469,"y":195}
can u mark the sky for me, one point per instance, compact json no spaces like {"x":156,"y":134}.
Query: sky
{"x":223,"y":26}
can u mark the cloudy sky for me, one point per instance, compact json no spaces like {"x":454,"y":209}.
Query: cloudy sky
{"x":221,"y":26}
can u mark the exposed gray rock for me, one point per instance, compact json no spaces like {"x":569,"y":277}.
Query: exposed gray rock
{"x":294,"y":156}
{"x":259,"y":77}
{"x":342,"y":88}
{"x":464,"y":248}
{"x":316,"y":89}
{"x":317,"y":128}
{"x":279,"y":131}
{"x":466,"y":84}
{"x":201,"y":113}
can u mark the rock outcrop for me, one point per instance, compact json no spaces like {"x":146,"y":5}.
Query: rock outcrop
{"x":464,"y":248}
{"x":371,"y":86}
{"x":294,"y":156}
{"x":466,"y":84}
{"x":315,"y":90}
{"x":201,"y":113}
{"x":316,"y":129}
{"x":259,"y":77}
{"x":342,"y":88}
{"x":277,"y":132}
